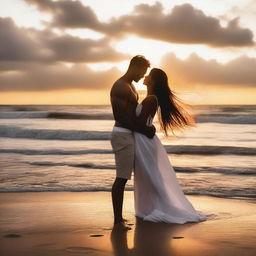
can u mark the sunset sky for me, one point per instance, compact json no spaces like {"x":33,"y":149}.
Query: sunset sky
{"x":71,"y":52}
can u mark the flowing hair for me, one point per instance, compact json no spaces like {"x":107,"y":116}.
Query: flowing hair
{"x":173,"y":112}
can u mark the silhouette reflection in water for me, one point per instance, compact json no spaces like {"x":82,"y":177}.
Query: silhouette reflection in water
{"x":150,"y":238}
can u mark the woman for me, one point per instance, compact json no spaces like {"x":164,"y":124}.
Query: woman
{"x":158,"y":195}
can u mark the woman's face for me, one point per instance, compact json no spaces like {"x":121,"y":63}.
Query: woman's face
{"x":148,"y":80}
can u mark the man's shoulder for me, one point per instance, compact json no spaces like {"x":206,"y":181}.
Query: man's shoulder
{"x":120,"y":81}
{"x":120,"y":86}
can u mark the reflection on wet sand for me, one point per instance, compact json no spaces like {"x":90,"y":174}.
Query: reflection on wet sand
{"x":150,"y":238}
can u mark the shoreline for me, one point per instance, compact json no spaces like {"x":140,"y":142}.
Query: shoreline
{"x":75,"y":223}
{"x":129,"y":190}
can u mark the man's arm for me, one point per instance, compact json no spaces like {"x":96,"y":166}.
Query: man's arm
{"x":126,"y":114}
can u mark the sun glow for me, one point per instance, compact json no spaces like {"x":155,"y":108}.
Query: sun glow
{"x":112,"y":52}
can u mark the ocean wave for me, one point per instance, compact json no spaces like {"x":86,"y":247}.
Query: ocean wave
{"x":66,"y":115}
{"x":228,"y":171}
{"x":241,"y":194}
{"x":55,"y":151}
{"x":81,"y":165}
{"x":23,"y":114}
{"x":58,"y":115}
{"x":200,"y":118}
{"x":57,"y":189}
{"x":171,"y":149}
{"x":209,"y":150}
{"x":226,"y":118}
{"x":47,"y":134}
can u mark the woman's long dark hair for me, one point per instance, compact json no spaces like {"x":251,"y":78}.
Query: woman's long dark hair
{"x":173,"y":112}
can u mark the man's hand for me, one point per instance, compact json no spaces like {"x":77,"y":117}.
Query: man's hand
{"x":150,"y":131}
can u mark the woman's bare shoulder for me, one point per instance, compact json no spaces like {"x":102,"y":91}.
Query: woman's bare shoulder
{"x":150,"y":105}
{"x":150,"y":99}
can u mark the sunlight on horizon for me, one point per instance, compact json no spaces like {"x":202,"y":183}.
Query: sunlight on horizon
{"x":200,"y":96}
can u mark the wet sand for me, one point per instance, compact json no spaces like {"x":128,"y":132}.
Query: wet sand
{"x":80,"y":223}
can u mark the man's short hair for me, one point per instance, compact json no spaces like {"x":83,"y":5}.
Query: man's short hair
{"x":139,"y":61}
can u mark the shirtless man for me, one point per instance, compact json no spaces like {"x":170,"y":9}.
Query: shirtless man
{"x":124,"y":100}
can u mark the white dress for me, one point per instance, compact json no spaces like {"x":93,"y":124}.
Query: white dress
{"x":157,"y":193}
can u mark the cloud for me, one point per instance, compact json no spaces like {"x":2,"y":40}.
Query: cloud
{"x":185,"y":74}
{"x":239,"y":72}
{"x":22,"y":44}
{"x":34,"y":60}
{"x":18,"y":44}
{"x":73,"y":49}
{"x":183,"y":24}
{"x":72,"y":14}
{"x":57,"y":77}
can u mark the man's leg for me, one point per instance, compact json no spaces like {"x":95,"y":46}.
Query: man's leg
{"x":123,"y":147}
{"x":117,"y":199}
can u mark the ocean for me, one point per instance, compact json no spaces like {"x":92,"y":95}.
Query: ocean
{"x":67,"y":148}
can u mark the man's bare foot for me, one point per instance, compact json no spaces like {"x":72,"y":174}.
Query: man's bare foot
{"x":121,"y":226}
{"x":120,"y":220}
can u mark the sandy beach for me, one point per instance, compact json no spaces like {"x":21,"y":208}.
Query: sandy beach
{"x":80,"y":223}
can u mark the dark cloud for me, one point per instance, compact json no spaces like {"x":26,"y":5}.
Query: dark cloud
{"x":32,"y":60}
{"x":22,"y":44}
{"x":6,"y":66}
{"x":72,"y":14}
{"x":18,"y":44}
{"x":57,"y":77}
{"x":239,"y":72}
{"x":184,"y":24}
{"x":74,"y":49}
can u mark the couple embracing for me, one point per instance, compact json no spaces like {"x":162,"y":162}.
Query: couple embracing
{"x":158,"y":196}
